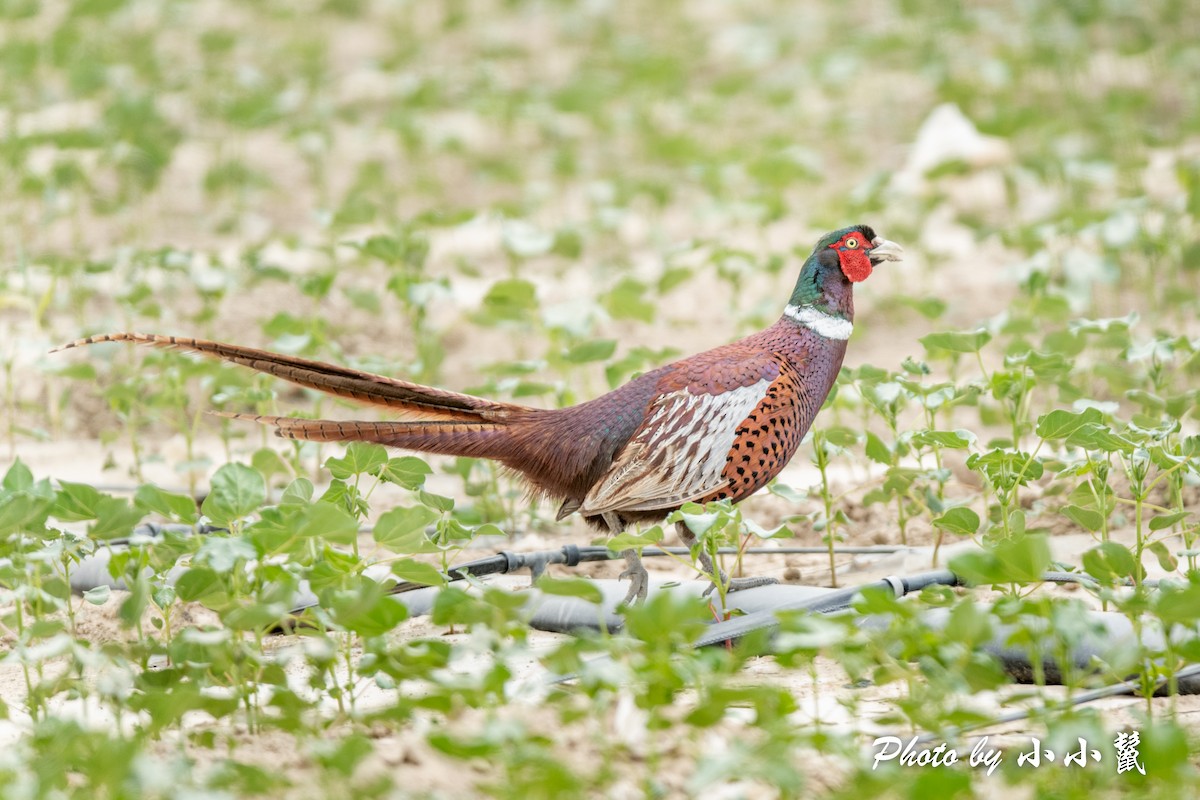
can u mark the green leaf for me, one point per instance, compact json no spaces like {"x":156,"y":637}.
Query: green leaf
{"x":952,"y":342}
{"x":1021,"y":559}
{"x":237,"y":491}
{"x":98,"y":595}
{"x":1025,"y":558}
{"x":929,"y":307}
{"x":329,"y":522}
{"x":223,"y":553}
{"x":20,"y":510}
{"x":361,"y":458}
{"x":877,"y":451}
{"x":417,"y":572}
{"x":1166,"y":559}
{"x":1178,"y":604}
{"x":197,"y":583}
{"x":512,"y":300}
{"x":625,"y":541}
{"x":135,"y":603}
{"x":298,"y":492}
{"x":115,"y":517}
{"x":402,"y":530}
{"x":269,"y":462}
{"x":1109,"y":560}
{"x":406,"y":471}
{"x":1060,"y":424}
{"x":1087,"y":518}
{"x":594,"y":350}
{"x":436,"y":501}
{"x":961,"y":521}
{"x":625,"y":301}
{"x":171,"y":505}
{"x":1164,"y":521}
{"x":788,"y":493}
{"x":959,"y":440}
{"x":76,"y":502}
{"x":18,"y":478}
{"x":1094,"y":436}
{"x":364,"y":608}
{"x":571,"y":587}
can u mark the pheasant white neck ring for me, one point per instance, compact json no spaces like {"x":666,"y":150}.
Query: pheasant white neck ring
{"x":829,"y":326}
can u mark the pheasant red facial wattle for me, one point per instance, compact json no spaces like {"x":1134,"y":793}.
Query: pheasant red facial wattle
{"x":717,"y":425}
{"x":852,"y":253}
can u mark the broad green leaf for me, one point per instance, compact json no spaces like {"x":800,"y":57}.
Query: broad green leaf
{"x":1087,"y":518}
{"x":625,"y":541}
{"x":571,"y":587}
{"x":222,"y":553}
{"x":418,"y":572}
{"x":171,"y":505}
{"x":237,"y":491}
{"x":512,"y":300}
{"x":699,"y":523}
{"x":406,"y":471}
{"x":626,"y":301}
{"x":1109,"y":560}
{"x":961,"y":521}
{"x":402,"y":530}
{"x":18,"y":478}
{"x":1166,"y":559}
{"x":877,"y":451}
{"x":269,"y":462}
{"x":1094,"y":436}
{"x":959,"y":439}
{"x":1164,"y":521}
{"x":115,"y":518}
{"x":436,"y":501}
{"x":594,"y":350}
{"x":98,"y":595}
{"x":374,"y":619}
{"x":361,"y":458}
{"x":1178,"y":604}
{"x":138,"y":598}
{"x":76,"y":502}
{"x":1060,"y":424}
{"x":298,"y":492}
{"x":1021,"y":559}
{"x":329,"y":522}
{"x":954,"y":342}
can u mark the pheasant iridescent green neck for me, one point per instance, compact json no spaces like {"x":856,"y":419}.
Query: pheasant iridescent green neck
{"x":821,"y":302}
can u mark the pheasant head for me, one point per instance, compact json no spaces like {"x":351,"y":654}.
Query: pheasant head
{"x":823,"y":299}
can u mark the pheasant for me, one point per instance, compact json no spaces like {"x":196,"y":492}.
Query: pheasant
{"x":717,"y":425}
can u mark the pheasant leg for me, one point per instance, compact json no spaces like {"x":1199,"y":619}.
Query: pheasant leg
{"x":639,"y":579}
{"x":711,"y":570}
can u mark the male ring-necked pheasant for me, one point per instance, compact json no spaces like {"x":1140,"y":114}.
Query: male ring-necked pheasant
{"x":717,"y":425}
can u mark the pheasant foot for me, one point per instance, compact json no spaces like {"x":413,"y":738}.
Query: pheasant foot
{"x":639,"y":579}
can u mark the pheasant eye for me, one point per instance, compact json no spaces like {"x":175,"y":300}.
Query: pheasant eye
{"x":852,"y":243}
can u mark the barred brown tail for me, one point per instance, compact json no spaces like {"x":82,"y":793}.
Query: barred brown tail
{"x":430,"y":420}
{"x":436,"y":437}
{"x":411,"y":400}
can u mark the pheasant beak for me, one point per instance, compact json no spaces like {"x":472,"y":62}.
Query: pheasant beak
{"x":884,"y":250}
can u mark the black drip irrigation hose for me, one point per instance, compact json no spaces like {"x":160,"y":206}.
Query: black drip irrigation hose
{"x":1129,"y":686}
{"x":764,"y":619}
{"x":834,"y":600}
{"x":732,"y":630}
{"x":155,"y":529}
{"x":571,"y":555}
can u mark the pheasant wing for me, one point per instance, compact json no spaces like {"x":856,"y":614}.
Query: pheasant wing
{"x":680,"y":452}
